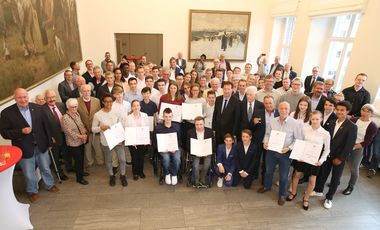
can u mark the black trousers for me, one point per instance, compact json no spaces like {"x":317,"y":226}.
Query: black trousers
{"x":59,"y":151}
{"x":326,"y":168}
{"x":247,"y":182}
{"x":78,"y":154}
{"x":263,"y":169}
{"x":137,"y":155}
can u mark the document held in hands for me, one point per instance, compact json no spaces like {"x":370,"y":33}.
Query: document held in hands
{"x":151,"y":123}
{"x":191,"y":111}
{"x":276,"y":141}
{"x":137,"y":135}
{"x":201,"y":148}
{"x":114,"y":135}
{"x":306,"y":151}
{"x":176,"y":109}
{"x":167,"y":142}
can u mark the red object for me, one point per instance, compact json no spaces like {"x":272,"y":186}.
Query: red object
{"x":9,"y":155}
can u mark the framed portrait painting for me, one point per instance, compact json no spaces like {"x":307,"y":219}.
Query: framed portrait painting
{"x":215,"y":32}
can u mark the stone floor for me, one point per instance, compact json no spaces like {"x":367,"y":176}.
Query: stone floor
{"x":145,"y":204}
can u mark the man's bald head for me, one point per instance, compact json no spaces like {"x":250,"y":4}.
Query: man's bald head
{"x":21,"y":97}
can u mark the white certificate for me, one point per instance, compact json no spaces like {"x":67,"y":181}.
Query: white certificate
{"x":191,"y":111}
{"x":176,"y":109}
{"x":201,"y":148}
{"x":114,"y":135}
{"x":276,"y":141}
{"x":151,"y":123}
{"x":137,"y":135}
{"x":167,"y":142}
{"x":306,"y":151}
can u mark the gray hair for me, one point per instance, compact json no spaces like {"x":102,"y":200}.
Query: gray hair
{"x":71,"y":102}
{"x":252,"y":89}
{"x":370,"y":108}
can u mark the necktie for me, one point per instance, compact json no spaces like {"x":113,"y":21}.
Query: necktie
{"x":250,"y":111}
{"x":312,"y":81}
{"x":224,"y":105}
{"x":56,"y":116}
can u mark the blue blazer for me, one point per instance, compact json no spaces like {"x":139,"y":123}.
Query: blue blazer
{"x":228,"y":163}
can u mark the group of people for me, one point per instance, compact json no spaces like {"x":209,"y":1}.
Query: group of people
{"x":240,"y":110}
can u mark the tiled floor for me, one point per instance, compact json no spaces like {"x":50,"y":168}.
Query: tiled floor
{"x":147,"y":205}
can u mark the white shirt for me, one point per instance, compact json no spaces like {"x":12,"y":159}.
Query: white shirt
{"x":246,"y":148}
{"x":104,"y":118}
{"x":140,"y":84}
{"x":121,"y":109}
{"x":200,"y":135}
{"x":209,"y":115}
{"x":318,"y":136}
{"x":326,"y":117}
{"x":362,"y":129}
{"x":337,"y":126}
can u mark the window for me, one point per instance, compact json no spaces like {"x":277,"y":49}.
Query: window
{"x":340,"y":46}
{"x":282,"y":37}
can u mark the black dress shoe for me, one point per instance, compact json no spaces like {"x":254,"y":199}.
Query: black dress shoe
{"x":135,"y":177}
{"x":86,"y":174}
{"x":112,"y":181}
{"x":124,"y":181}
{"x":63,"y":176}
{"x":348,"y":190}
{"x":83,"y":182}
{"x":142,"y":176}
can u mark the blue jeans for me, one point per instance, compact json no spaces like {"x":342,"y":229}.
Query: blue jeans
{"x":375,"y":152}
{"x":271,"y":160}
{"x":171,"y":162}
{"x":28,"y":166}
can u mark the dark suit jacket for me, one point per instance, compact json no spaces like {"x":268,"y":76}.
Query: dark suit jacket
{"x":292,"y":75}
{"x":228,"y":163}
{"x":258,"y":130}
{"x":102,"y":90}
{"x":213,"y":72}
{"x":244,"y":122}
{"x":183,"y":64}
{"x":12,"y":122}
{"x":332,"y":118}
{"x":64,"y":90}
{"x":236,"y":94}
{"x":277,"y":67}
{"x":87,"y":76}
{"x":246,"y":162}
{"x":344,"y":140}
{"x":207,"y":134}
{"x":321,"y":103}
{"x":307,"y":85}
{"x":54,"y":126}
{"x":228,"y":121}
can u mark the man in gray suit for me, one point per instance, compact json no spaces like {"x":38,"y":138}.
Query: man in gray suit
{"x":66,"y":86}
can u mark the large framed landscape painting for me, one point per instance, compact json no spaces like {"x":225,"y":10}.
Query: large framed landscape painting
{"x":38,"y":38}
{"x":215,"y":32}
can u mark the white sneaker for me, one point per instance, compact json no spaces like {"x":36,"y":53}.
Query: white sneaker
{"x":168,"y":179}
{"x":220,"y":182}
{"x":314,"y":193}
{"x":328,"y":204}
{"x":174,"y":180}
{"x":278,"y":183}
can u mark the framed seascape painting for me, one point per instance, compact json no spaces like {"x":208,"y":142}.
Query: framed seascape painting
{"x":215,"y":32}
{"x":39,"y":38}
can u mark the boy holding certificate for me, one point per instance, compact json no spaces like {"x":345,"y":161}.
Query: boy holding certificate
{"x":200,"y":132}
{"x":171,"y":156}
{"x":292,"y":130}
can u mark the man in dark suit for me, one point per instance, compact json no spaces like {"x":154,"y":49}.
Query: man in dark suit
{"x":250,"y":107}
{"x":329,"y":116}
{"x":343,"y":136}
{"x":262,"y":118}
{"x":174,"y":68}
{"x":226,"y":116}
{"x":181,"y":62}
{"x":311,"y":79}
{"x":26,"y":125}
{"x":288,"y":72}
{"x":316,"y":96}
{"x":245,"y":160}
{"x":240,"y":94}
{"x":89,"y":74}
{"x":54,"y":111}
{"x":76,"y":92}
{"x":66,"y":86}
{"x":275,"y":66}
{"x":106,"y":88}
{"x":203,"y":133}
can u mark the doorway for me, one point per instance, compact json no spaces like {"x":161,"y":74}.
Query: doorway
{"x":137,"y":45}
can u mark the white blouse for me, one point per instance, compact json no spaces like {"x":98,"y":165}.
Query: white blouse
{"x":318,"y":136}
{"x":104,"y":118}
{"x":362,"y":129}
{"x":132,"y":121}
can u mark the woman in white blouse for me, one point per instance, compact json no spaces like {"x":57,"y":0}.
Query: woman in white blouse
{"x":137,"y":119}
{"x":103,"y":120}
{"x":303,"y":110}
{"x":315,"y":134}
